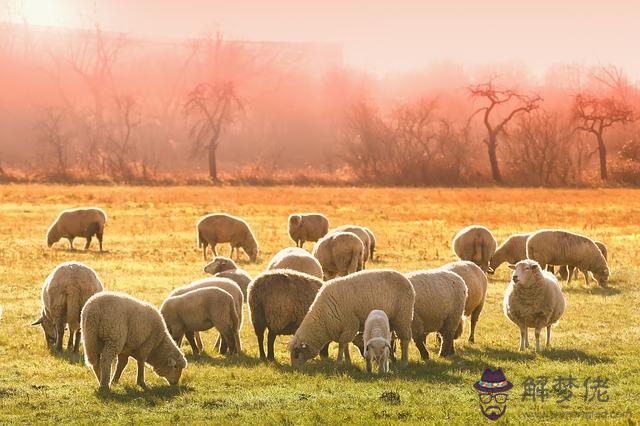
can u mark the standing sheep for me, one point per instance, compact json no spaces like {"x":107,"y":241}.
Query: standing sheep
{"x":557,"y":247}
{"x":372,"y":243}
{"x":339,"y":254}
{"x":223,"y":267}
{"x":512,"y":251}
{"x":362,"y":234}
{"x":81,"y":222}
{"x":296,"y":259}
{"x":476,"y":282}
{"x":278,"y":302}
{"x":533,"y":299}
{"x":475,"y":243}
{"x":305,"y":227}
{"x":199,"y":310}
{"x":342,"y":307}
{"x":439,"y":307}
{"x":64,"y":293}
{"x":566,"y":272}
{"x":377,"y":340}
{"x":217,"y":228}
{"x":117,"y":325}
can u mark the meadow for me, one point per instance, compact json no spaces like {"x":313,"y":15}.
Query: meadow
{"x":151,"y":248}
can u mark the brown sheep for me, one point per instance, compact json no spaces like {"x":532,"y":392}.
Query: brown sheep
{"x":217,"y":228}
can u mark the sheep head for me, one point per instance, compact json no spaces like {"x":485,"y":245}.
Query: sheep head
{"x":602,"y":276}
{"x":300,"y":352}
{"x":377,"y":349}
{"x":220,"y":264}
{"x":50,"y":332}
{"x":525,"y":273}
{"x":53,"y":236}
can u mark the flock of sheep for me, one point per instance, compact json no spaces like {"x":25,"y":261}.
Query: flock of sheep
{"x":319,"y":297}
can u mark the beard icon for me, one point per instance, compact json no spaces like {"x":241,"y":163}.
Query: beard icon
{"x":493,"y":411}
{"x":492,"y":392}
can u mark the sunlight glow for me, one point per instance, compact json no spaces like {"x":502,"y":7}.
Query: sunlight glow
{"x":43,"y":12}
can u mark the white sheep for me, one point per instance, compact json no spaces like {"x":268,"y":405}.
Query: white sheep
{"x":557,"y":247}
{"x":296,"y":259}
{"x":81,"y":222}
{"x":533,"y":299}
{"x":65,"y":291}
{"x":223,"y":267}
{"x":567,"y":271}
{"x":339,"y":254}
{"x":377,"y":340}
{"x":363,"y":234}
{"x":218,"y":228}
{"x":305,"y":227}
{"x":512,"y":251}
{"x":475,"y":243}
{"x":118,"y":325}
{"x":342,"y":307}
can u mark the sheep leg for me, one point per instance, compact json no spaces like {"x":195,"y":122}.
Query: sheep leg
{"x":369,"y":366}
{"x":538,"y":339}
{"x":548,"y":342}
{"x":60,"y":335}
{"x":523,"y":338}
{"x":204,"y":250}
{"x":71,"y":243}
{"x":271,"y":339}
{"x":474,"y":321}
{"x":324,"y":352}
{"x":404,"y":349}
{"x":88,"y":243}
{"x":339,"y":360}
{"x":347,"y":355}
{"x":260,"y":335}
{"x":570,"y":275}
{"x":70,"y":340}
{"x":192,"y":341}
{"x":198,"y":340}
{"x":230,"y":341}
{"x":76,"y":345}
{"x":223,"y":346}
{"x":213,"y":248}
{"x":586,"y":277}
{"x":106,"y":358}
{"x":383,"y":365}
{"x":99,"y":236}
{"x":140,"y":378}
{"x":419,"y":341}
{"x":122,"y":363}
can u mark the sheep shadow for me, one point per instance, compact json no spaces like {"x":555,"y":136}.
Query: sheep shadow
{"x":70,"y":357}
{"x":240,"y":360}
{"x":150,"y":396}
{"x":590,"y":290}
{"x":475,"y":360}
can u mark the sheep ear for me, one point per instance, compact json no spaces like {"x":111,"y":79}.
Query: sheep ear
{"x":304,"y":346}
{"x":490,"y":270}
{"x":171,"y":362}
{"x":534,"y":266}
{"x":38,"y":321}
{"x":512,"y":267}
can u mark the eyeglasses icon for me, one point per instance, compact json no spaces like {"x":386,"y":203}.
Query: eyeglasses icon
{"x":500,"y":398}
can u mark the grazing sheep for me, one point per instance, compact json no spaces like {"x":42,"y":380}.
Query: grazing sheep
{"x":224,"y":267}
{"x":439,"y":307}
{"x":475,"y":243}
{"x":199,"y":310}
{"x":533,"y":299}
{"x":342,"y":307}
{"x":476,"y":282}
{"x":557,"y":247}
{"x":512,"y":251}
{"x":118,"y":325}
{"x":278,"y":302}
{"x":307,"y":227}
{"x":372,"y":243}
{"x":217,"y":228}
{"x":566,"y":272}
{"x":227,"y":285}
{"x":81,"y":222}
{"x":377,"y":340}
{"x":296,"y":259}
{"x":65,"y":291}
{"x":339,"y":254}
{"x":362,"y":234}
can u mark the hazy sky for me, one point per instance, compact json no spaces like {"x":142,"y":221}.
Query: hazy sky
{"x":382,"y":35}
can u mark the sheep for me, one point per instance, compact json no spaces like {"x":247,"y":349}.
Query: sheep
{"x":372,"y":243}
{"x":216,"y":228}
{"x":439,"y":307}
{"x":278,"y":302}
{"x":224,"y":267}
{"x":65,"y":291}
{"x":296,"y":259}
{"x":377,"y":340}
{"x":227,"y":285}
{"x":362,"y":234}
{"x":475,"y":243}
{"x":199,"y":310}
{"x":512,"y":251}
{"x":476,"y":282}
{"x":533,"y":299}
{"x":80,"y":222}
{"x":341,"y":309}
{"x":557,"y":247}
{"x":118,"y":325}
{"x":339,"y":254}
{"x":566,"y":272}
{"x":305,"y":227}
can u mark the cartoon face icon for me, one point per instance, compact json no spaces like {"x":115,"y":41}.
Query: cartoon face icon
{"x":492,"y":392}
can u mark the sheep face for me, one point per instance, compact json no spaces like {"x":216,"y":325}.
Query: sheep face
{"x":300,"y":353}
{"x":52,"y":236}
{"x":252,"y":252}
{"x":523,"y":273}
{"x":171,"y":370}
{"x":219,"y":264}
{"x":295,"y":222}
{"x":377,"y":350}
{"x":49,"y":329}
{"x":602,"y":276}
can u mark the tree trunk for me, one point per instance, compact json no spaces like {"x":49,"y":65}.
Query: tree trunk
{"x":213,"y":166}
{"x":602,"y":151}
{"x":493,"y":159}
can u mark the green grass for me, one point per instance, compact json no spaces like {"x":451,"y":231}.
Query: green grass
{"x":150,"y":243}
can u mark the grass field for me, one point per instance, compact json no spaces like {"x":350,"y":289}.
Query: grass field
{"x":150,"y":243}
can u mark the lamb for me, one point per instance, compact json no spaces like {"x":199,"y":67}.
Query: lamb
{"x":65,"y":291}
{"x":512,"y":251}
{"x":278,"y":302}
{"x":476,"y":282}
{"x":118,"y":325}
{"x":225,"y":284}
{"x":296,"y":259}
{"x":557,"y":247}
{"x":81,"y":222}
{"x":342,"y":307}
{"x":199,"y":310}
{"x":224,"y":267}
{"x":213,"y":229}
{"x":475,"y":243}
{"x":339,"y":254}
{"x":362,"y":234}
{"x":372,"y":243}
{"x":533,"y":299}
{"x":566,"y":272}
{"x":439,"y":306}
{"x":377,"y":340}
{"x":305,"y":227}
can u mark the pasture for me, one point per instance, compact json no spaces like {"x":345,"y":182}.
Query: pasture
{"x":151,"y":248}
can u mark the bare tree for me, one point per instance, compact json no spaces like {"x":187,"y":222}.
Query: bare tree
{"x":56,"y":139}
{"x":119,"y":137}
{"x":500,"y":99}
{"x":213,"y":107}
